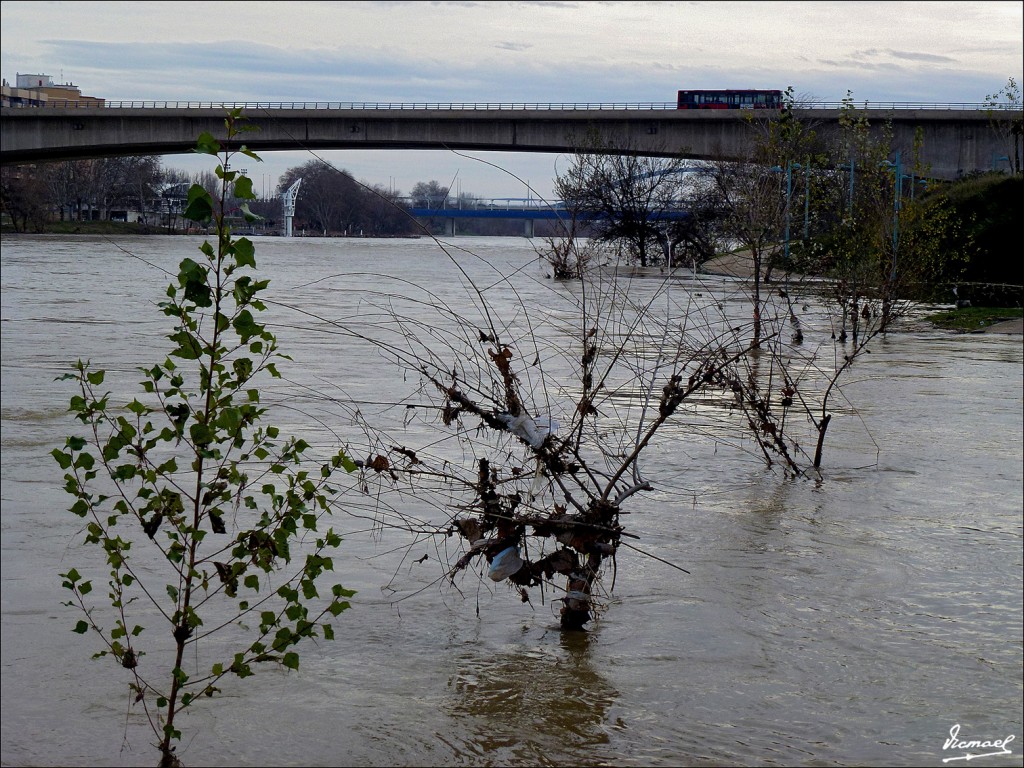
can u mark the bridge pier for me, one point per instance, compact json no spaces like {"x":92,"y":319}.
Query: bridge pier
{"x":449,"y":227}
{"x":528,"y":228}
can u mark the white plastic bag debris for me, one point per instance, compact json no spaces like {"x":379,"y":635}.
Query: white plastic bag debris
{"x":505,"y":563}
{"x":530,"y":431}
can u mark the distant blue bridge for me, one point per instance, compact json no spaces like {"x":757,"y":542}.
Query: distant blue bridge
{"x":528,"y":210}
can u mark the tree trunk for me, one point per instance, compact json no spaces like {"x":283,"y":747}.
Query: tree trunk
{"x":578,"y":598}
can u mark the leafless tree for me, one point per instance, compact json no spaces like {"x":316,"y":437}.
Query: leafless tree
{"x":636,"y":199}
{"x":24,"y":196}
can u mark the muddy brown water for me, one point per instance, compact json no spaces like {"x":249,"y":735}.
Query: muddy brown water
{"x":849,"y":621}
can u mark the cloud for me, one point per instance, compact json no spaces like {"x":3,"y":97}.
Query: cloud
{"x":514,"y":46}
{"x":882,"y":53}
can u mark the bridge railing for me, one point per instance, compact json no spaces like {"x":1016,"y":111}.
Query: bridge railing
{"x":485,"y":106}
{"x":481,"y":203}
{"x":515,"y":204}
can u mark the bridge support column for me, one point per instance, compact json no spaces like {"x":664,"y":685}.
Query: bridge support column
{"x":528,"y":228}
{"x":449,"y":228}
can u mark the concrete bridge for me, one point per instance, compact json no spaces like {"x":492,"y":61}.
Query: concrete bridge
{"x":958,"y":138}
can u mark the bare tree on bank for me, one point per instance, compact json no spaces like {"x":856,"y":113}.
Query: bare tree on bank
{"x":635,"y":201}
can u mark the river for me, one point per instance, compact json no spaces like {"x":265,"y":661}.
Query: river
{"x":849,"y":620}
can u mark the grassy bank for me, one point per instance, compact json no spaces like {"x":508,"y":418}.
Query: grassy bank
{"x":93,"y":228}
{"x":974,"y":318}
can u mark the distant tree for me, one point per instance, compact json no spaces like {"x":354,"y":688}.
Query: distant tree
{"x":24,"y":196}
{"x":128,"y":182}
{"x":332,"y":201}
{"x":753,"y":200}
{"x":141,"y":181}
{"x":631,"y":193}
{"x":1008,"y":98}
{"x":428,"y":194}
{"x":384,"y":213}
{"x":71,"y":187}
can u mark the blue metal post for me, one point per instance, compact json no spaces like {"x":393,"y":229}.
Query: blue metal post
{"x":898,"y":190}
{"x":807,"y":197}
{"x":789,"y":191}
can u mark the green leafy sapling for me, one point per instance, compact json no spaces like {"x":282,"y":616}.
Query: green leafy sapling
{"x":210,"y":520}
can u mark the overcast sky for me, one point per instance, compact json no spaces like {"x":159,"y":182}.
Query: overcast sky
{"x":442,"y":52}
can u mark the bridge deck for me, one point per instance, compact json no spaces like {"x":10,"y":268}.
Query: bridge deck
{"x":954,"y":139}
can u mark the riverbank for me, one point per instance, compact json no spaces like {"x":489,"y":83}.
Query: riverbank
{"x":1015,"y":326}
{"x":968,"y":320}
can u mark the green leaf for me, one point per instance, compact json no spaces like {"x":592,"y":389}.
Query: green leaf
{"x":245,"y":253}
{"x":200,"y":205}
{"x":346,"y":463}
{"x":168,"y":467}
{"x":62,"y":458}
{"x":81,"y":628}
{"x":189,"y":347}
{"x":291,"y":660}
{"x":243,"y":188}
{"x":201,"y":434}
{"x":245,"y":326}
{"x":136,"y":407}
{"x":193,"y":278}
{"x":248,"y":215}
{"x":206,"y":144}
{"x":230,"y":419}
{"x":124,"y":472}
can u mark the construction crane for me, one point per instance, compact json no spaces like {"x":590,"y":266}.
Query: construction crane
{"x":288,"y":200}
